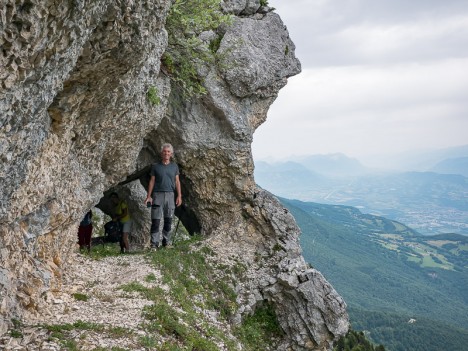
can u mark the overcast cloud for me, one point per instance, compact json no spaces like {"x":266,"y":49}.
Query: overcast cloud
{"x":378,"y":77}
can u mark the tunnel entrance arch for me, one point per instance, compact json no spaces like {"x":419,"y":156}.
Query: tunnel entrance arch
{"x":133,"y":191}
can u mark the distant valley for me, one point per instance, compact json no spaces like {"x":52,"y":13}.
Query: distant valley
{"x":389,"y":275}
{"x":393,"y":244}
{"x":429,"y":202}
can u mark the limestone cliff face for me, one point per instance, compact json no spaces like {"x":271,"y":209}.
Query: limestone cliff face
{"x":76,"y":123}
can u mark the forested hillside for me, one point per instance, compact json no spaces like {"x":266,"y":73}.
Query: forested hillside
{"x":389,"y":274}
{"x":401,"y":332}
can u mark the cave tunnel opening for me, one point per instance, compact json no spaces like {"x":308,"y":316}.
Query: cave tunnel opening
{"x":133,"y":192}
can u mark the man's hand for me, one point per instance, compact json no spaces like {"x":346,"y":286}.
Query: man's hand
{"x":178,"y":201}
{"x":149,"y":199}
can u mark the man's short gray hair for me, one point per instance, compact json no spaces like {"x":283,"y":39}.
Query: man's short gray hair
{"x":167,"y":146}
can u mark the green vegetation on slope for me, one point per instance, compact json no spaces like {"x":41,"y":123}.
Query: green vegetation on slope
{"x":380,"y":265}
{"x":196,"y":285}
{"x":185,"y":50}
{"x":261,"y":326}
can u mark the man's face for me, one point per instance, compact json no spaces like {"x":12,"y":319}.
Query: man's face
{"x":166,"y":154}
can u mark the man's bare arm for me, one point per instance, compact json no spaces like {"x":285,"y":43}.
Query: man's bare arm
{"x":149,"y":197}
{"x":179,"y":191}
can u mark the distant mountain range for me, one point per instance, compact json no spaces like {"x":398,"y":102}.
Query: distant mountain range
{"x":389,"y":274}
{"x":421,"y":161}
{"x":429,"y":202}
{"x":452,"y":166}
{"x":333,"y":165}
{"x":338,"y":164}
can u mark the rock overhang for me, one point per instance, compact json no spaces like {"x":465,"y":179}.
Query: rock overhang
{"x":78,"y":123}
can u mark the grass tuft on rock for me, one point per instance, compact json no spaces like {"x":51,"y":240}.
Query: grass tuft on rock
{"x":80,"y":297}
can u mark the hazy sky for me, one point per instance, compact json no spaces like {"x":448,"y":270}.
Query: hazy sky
{"x":377,"y":77}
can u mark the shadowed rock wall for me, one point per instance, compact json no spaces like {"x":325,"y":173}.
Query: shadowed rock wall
{"x":76,"y":123}
{"x":74,"y":114}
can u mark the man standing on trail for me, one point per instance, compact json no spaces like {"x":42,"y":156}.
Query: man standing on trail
{"x":163,"y":183}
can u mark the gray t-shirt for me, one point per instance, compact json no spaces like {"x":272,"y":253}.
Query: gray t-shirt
{"x":164,"y":176}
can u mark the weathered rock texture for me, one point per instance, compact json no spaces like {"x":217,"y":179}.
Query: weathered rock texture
{"x":75,"y":122}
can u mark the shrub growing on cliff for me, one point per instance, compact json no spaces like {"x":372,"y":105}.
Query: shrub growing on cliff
{"x":260,"y":329}
{"x":185,"y":50}
{"x":356,"y":341}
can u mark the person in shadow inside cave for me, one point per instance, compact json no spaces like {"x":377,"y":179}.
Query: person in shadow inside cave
{"x":122,"y":215}
{"x":85,"y":231}
{"x":163,"y":185}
